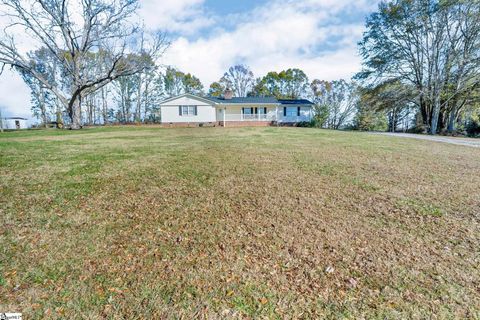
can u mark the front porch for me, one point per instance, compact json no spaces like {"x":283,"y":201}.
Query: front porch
{"x":262,"y":116}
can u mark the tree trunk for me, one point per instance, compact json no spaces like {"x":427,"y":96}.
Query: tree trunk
{"x":146,"y":97}
{"x":435,"y":115}
{"x":138,"y":110}
{"x":91,"y":111}
{"x":89,"y":106}
{"x":104,"y":106}
{"x":423,"y":111}
{"x":441,"y":123}
{"x":43,"y":108}
{"x":76,"y":114}
{"x":95,"y":109}
{"x":124,"y":112}
{"x":451,"y":121}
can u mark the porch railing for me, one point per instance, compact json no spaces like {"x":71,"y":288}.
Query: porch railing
{"x":264,"y":117}
{"x":249,"y":117}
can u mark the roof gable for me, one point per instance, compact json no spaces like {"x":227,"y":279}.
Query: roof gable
{"x":189,"y":96}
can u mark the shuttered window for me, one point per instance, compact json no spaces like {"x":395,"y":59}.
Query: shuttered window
{"x":261,"y":110}
{"x":247,"y":110}
{"x":290,"y":111}
{"x":187,"y":111}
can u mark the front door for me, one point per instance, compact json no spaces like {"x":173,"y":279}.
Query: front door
{"x":17,"y":124}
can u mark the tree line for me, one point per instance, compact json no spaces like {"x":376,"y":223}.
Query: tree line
{"x":94,"y":65}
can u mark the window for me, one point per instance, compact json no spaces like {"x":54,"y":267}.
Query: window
{"x":187,"y":111}
{"x":247,"y":110}
{"x":291,"y":111}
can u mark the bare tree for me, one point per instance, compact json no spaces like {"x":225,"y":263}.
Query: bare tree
{"x":146,"y":79}
{"x":240,"y":79}
{"x":430,"y":45}
{"x":126,"y":88}
{"x":286,"y":84}
{"x":76,"y":32}
{"x":337,"y":100}
{"x":173,"y":82}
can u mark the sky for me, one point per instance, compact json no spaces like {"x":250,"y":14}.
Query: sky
{"x":208,"y":36}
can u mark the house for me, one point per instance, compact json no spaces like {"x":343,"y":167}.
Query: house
{"x":14,"y":123}
{"x":191,"y":110}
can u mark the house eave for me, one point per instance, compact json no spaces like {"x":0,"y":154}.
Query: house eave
{"x":187,"y":95}
{"x":224,"y":104}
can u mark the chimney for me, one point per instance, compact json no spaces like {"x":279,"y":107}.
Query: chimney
{"x":228,"y":94}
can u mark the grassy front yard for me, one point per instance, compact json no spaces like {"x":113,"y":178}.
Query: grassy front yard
{"x":237,"y":223}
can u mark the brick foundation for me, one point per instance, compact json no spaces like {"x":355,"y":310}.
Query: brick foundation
{"x":189,"y":124}
{"x":228,"y":124}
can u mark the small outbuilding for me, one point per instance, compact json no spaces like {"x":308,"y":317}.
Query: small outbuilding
{"x":14,"y":123}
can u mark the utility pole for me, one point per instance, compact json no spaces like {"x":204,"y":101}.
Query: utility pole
{"x":1,"y":121}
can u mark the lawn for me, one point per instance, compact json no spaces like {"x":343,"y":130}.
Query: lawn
{"x":144,"y":222}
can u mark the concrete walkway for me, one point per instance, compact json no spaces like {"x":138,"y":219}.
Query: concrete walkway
{"x":452,"y":140}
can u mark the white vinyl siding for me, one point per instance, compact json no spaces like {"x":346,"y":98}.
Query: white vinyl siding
{"x":196,"y":111}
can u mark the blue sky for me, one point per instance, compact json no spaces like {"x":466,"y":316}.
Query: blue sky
{"x":209,"y":36}
{"x":225,"y":7}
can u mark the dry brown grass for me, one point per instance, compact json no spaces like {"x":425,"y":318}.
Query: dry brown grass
{"x":237,"y":223}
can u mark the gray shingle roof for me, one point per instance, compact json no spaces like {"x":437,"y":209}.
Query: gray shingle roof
{"x":259,"y":100}
{"x":294,"y":101}
{"x":244,"y":100}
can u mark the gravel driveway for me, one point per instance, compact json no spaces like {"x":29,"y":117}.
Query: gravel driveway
{"x":452,"y":140}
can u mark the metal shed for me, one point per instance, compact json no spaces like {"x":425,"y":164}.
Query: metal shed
{"x":14,"y":123}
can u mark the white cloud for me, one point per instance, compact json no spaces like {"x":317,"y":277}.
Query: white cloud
{"x":184,"y":16}
{"x":279,"y":35}
{"x":14,"y":95}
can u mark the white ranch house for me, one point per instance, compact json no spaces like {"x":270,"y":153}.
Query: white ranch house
{"x":188,"y":109}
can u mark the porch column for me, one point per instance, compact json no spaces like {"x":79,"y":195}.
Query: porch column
{"x":276,"y":114}
{"x":224,"y":117}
